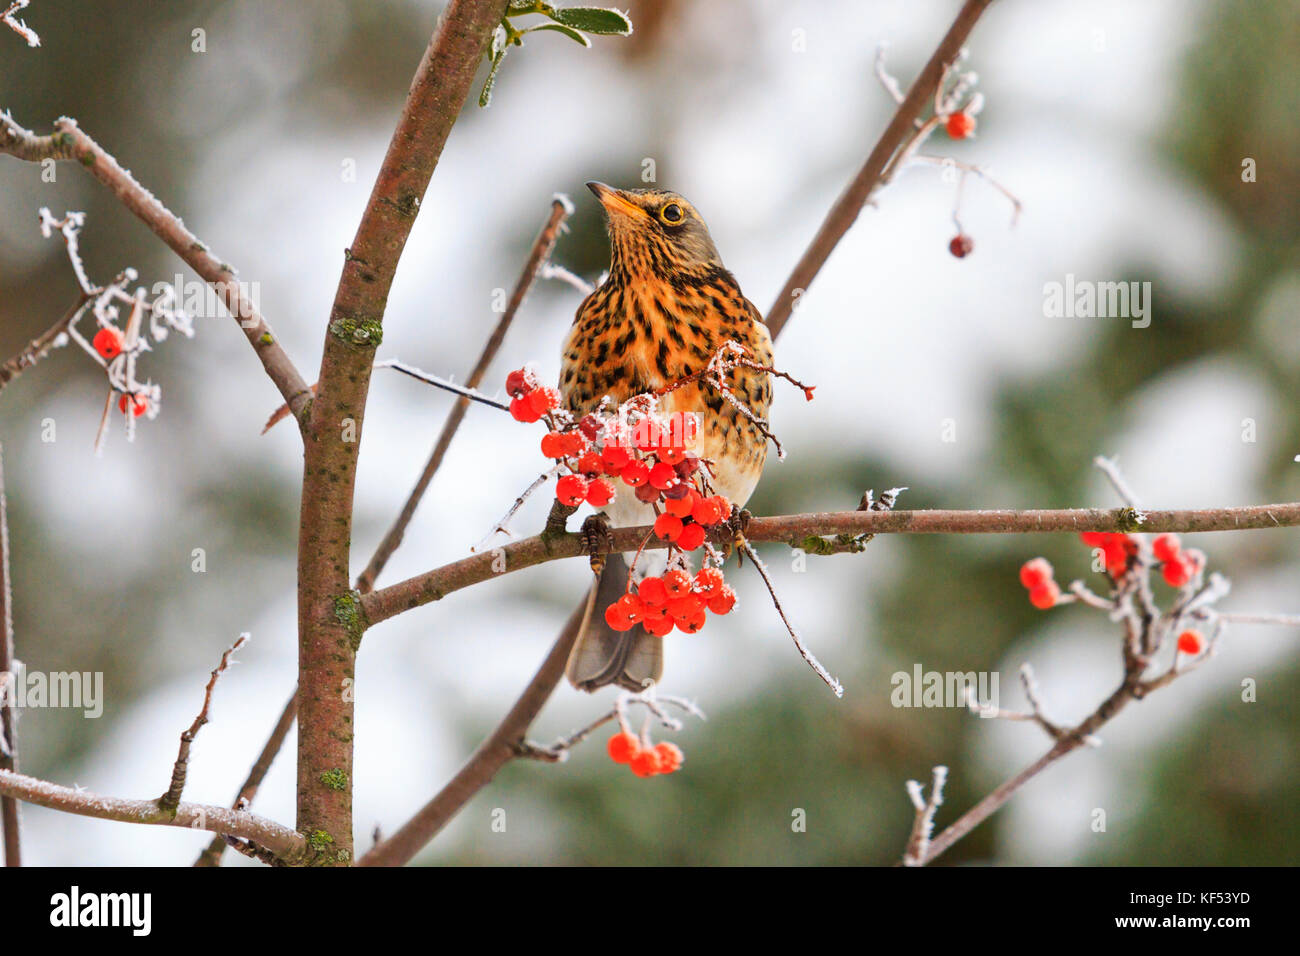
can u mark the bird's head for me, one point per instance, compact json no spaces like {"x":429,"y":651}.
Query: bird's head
{"x":653,"y":232}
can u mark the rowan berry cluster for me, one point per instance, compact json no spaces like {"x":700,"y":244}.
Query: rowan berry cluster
{"x":1119,"y":554}
{"x":643,"y":758}
{"x":650,"y":455}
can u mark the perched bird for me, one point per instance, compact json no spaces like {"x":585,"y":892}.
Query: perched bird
{"x":667,"y":307}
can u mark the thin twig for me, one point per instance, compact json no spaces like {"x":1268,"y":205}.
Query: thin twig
{"x":918,"y":843}
{"x":9,"y":820}
{"x":40,"y":346}
{"x":806,"y":654}
{"x":172,"y":797}
{"x":846,"y":209}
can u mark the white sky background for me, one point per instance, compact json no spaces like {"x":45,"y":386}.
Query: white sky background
{"x":897,"y":334}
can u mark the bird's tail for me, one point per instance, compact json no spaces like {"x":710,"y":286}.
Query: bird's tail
{"x":632,"y":659}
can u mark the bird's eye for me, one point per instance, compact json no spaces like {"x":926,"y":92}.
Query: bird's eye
{"x":671,"y":214}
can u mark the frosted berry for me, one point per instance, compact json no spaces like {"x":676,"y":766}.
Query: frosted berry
{"x":692,"y":537}
{"x":623,"y":747}
{"x":521,"y":410}
{"x":108,"y":342}
{"x":590,"y":426}
{"x":554,"y":445}
{"x":960,"y":125}
{"x":589,"y":463}
{"x":1035,"y":572}
{"x":1176,"y":573}
{"x":1044,"y":595}
{"x":683,"y":504}
{"x":663,"y":476}
{"x":962,"y":245}
{"x":543,"y":400}
{"x":645,"y":763}
{"x":615,"y":458}
{"x":722,"y":601}
{"x":670,"y":757}
{"x":707,"y":511}
{"x":1166,"y":547}
{"x":571,"y":490}
{"x":600,"y":493}
{"x":709,"y":580}
{"x":517,"y":383}
{"x":668,"y":527}
{"x":634,"y":473}
{"x":652,"y":592}
{"x":133,"y":405}
{"x":677,"y":583}
{"x":1191,"y":643}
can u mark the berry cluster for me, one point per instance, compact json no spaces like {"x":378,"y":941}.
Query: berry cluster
{"x":649,"y":454}
{"x":642,"y":758}
{"x":1177,"y":566}
{"x":1117,"y":550}
{"x":1036,"y":576}
{"x":675,"y":600}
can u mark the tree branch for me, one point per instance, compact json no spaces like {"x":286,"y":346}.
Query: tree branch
{"x":329,"y":623}
{"x":40,"y":346}
{"x":69,"y":143}
{"x":287,"y":845}
{"x":794,"y":529}
{"x":9,"y":821}
{"x":845,"y":211}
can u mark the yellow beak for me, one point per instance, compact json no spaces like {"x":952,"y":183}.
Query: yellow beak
{"x":614,"y":200}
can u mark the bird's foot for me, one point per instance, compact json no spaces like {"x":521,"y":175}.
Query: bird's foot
{"x":597,"y":540}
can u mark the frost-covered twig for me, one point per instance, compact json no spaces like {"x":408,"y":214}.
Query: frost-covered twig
{"x":918,"y":843}
{"x":40,"y":346}
{"x":172,"y":798}
{"x":559,"y":751}
{"x":9,"y":18}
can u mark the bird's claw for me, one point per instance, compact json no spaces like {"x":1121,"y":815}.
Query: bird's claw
{"x":597,"y":540}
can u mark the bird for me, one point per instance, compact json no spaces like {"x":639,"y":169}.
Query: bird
{"x":666,"y":308}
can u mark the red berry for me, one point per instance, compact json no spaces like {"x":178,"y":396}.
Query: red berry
{"x":632,"y":606}
{"x":1166,"y":547}
{"x":668,"y":527}
{"x":648,"y":493}
{"x":693,"y":624}
{"x":663,"y":476}
{"x":658,"y":624}
{"x":571,"y":490}
{"x":692,"y":537}
{"x":683,"y":505}
{"x":634,"y":473}
{"x":521,"y":410}
{"x":688,"y":605}
{"x":961,"y":246}
{"x":1191,"y":643}
{"x":723,"y":600}
{"x":615,"y":458}
{"x":575,"y":443}
{"x":108,"y":342}
{"x":960,"y":125}
{"x":645,"y":763}
{"x":1094,"y":539}
{"x":553,"y":445}
{"x":670,"y":757}
{"x":543,"y":400}
{"x":677,"y":583}
{"x":589,"y":463}
{"x":652,"y":592}
{"x":517,"y":383}
{"x":600,"y":493}
{"x":709,"y":580}
{"x":623,"y":747}
{"x":724,"y":506}
{"x":707,"y":511}
{"x":133,"y":404}
{"x":1035,"y":572}
{"x":688,"y":466}
{"x":1176,"y":573}
{"x":1044,"y":595}
{"x":590,"y":426}
{"x":617,"y":618}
